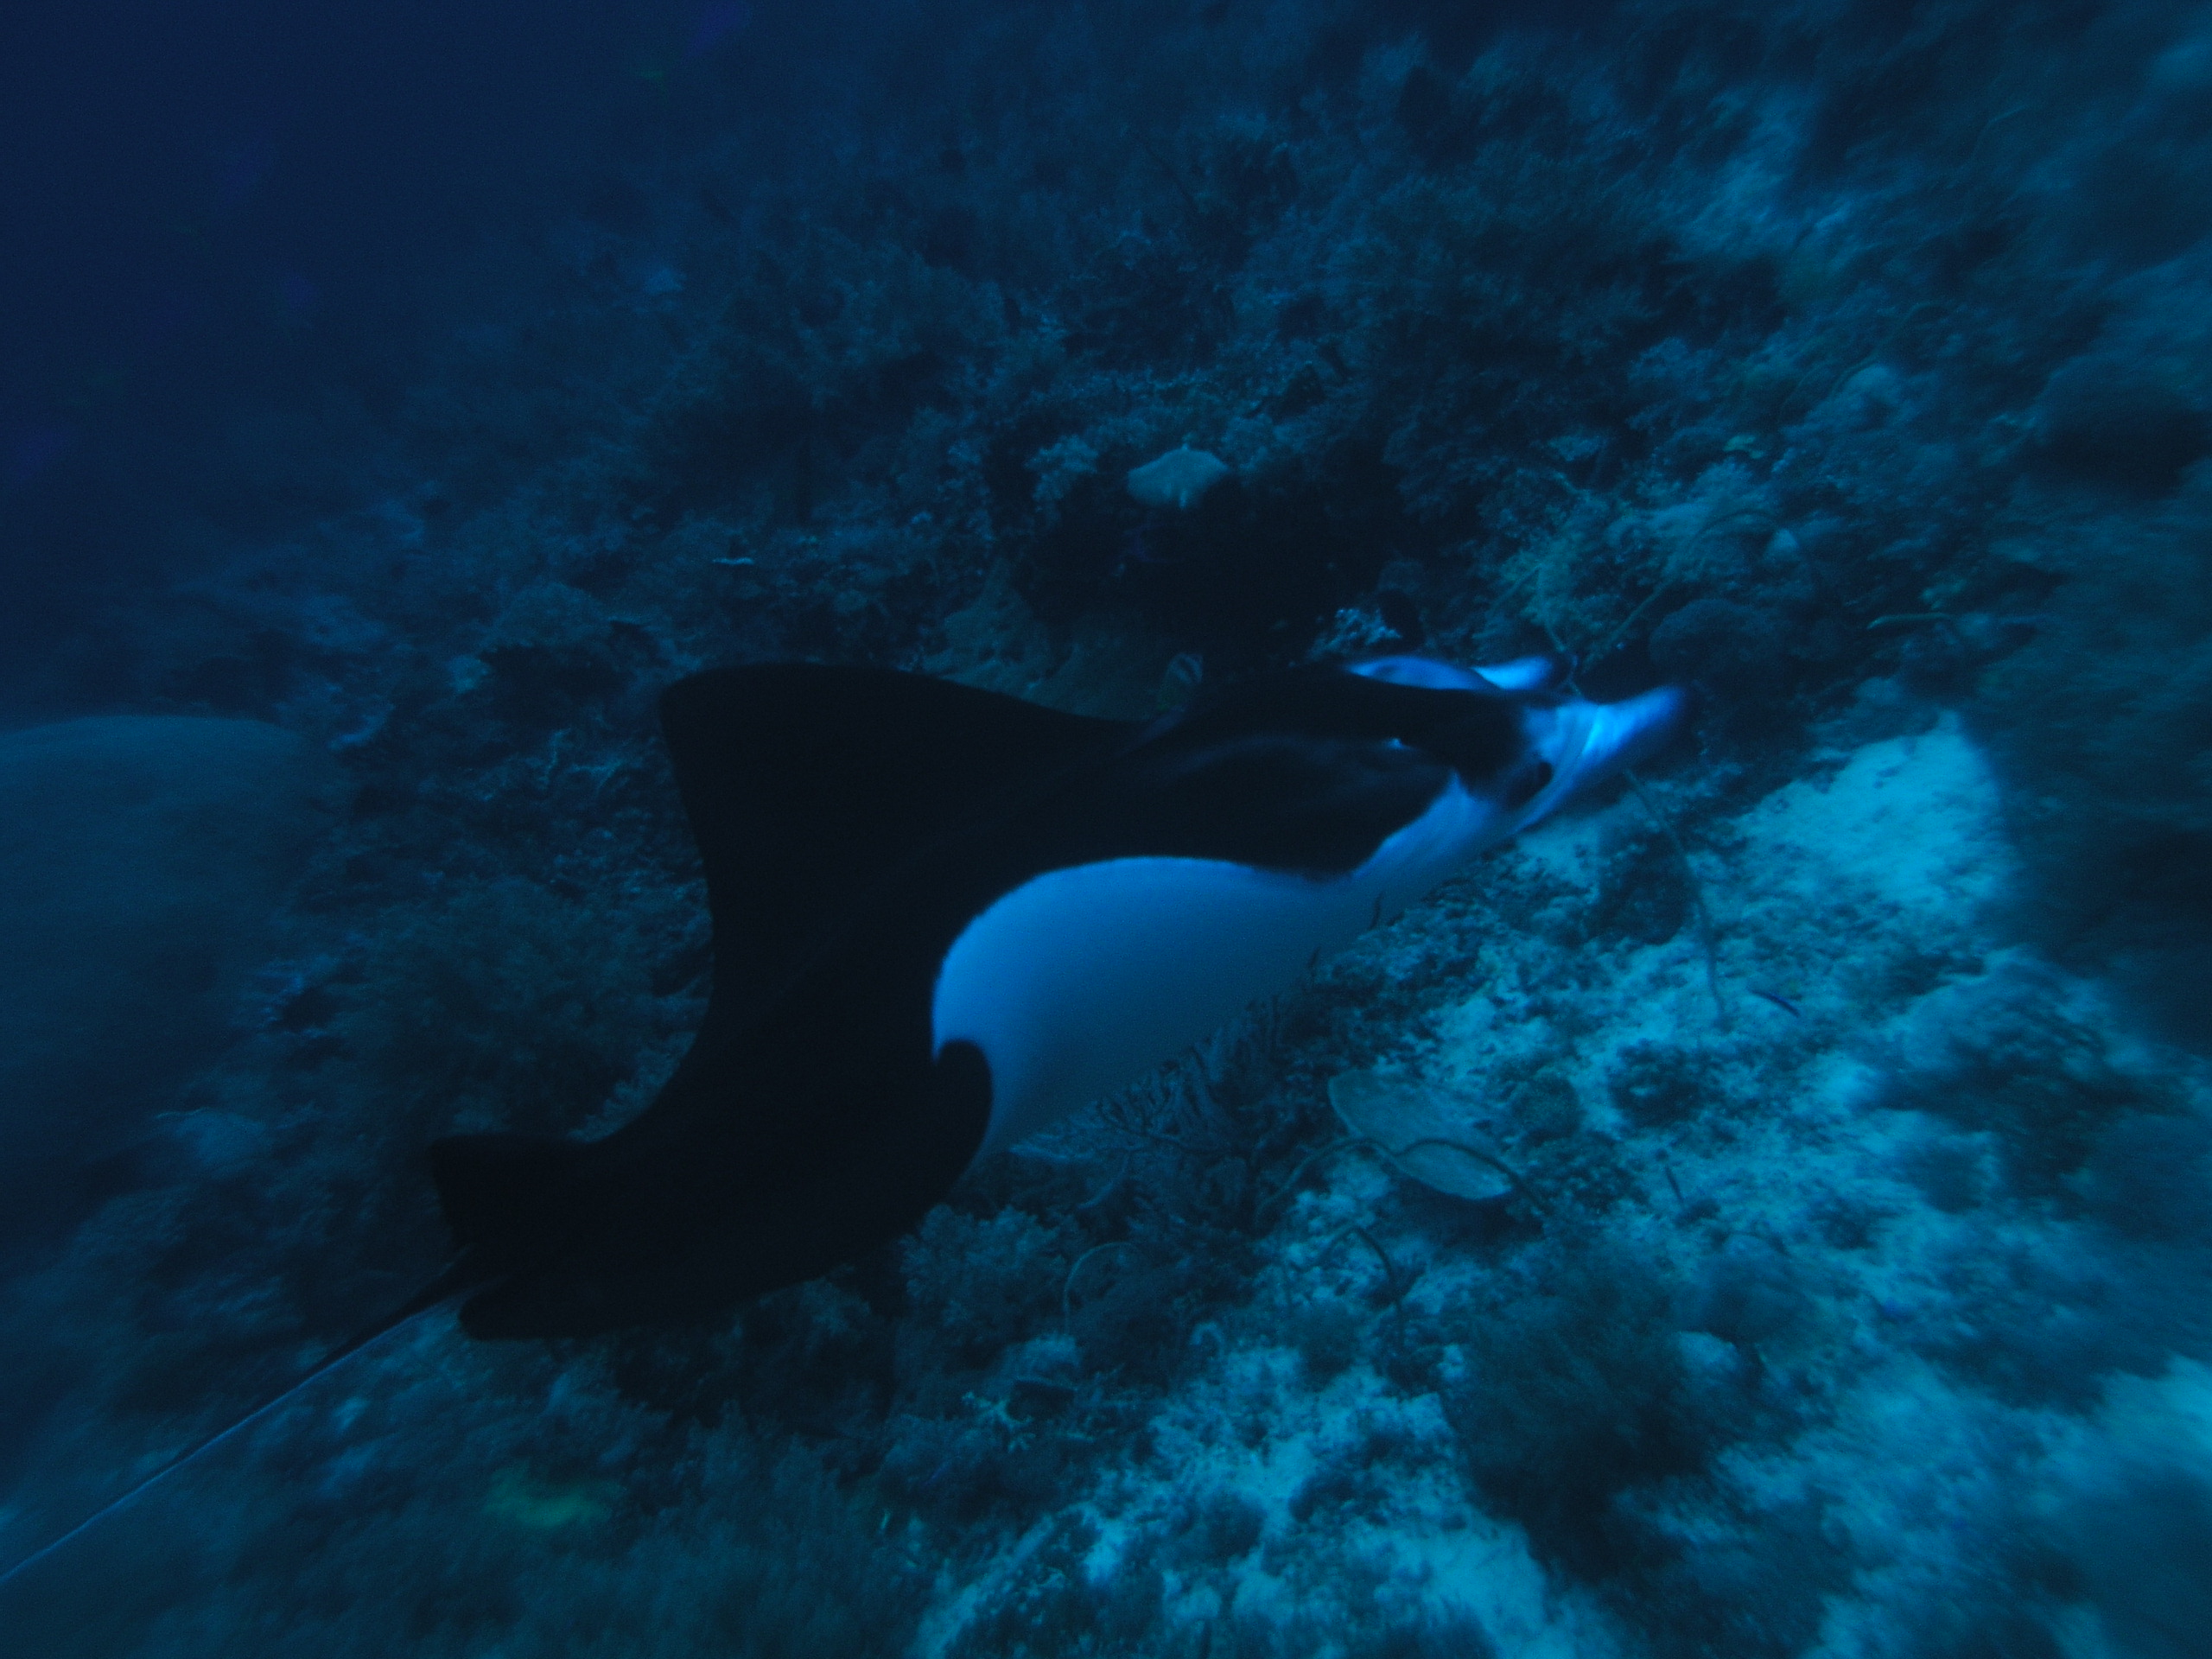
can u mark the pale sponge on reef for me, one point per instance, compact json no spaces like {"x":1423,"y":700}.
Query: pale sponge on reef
{"x":1178,"y":479}
{"x":1421,"y":1132}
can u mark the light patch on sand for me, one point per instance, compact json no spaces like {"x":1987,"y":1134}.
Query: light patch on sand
{"x":1907,"y":833}
{"x":1824,"y":894}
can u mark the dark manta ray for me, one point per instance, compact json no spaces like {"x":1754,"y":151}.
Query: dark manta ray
{"x":944,"y":919}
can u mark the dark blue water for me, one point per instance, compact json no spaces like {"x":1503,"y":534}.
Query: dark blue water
{"x":1764,"y":1211}
{"x":230,"y":214}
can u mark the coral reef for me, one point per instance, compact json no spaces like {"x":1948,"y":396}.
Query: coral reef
{"x":1778,"y":1197}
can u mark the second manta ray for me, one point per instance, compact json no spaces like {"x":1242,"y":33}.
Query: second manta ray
{"x":945,"y":918}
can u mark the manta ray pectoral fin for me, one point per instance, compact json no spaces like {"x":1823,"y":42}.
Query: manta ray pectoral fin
{"x":804,"y":782}
{"x":502,"y":1192}
{"x":555,"y":1303}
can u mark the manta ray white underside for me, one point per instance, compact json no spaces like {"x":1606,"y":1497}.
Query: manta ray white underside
{"x":1081,"y":981}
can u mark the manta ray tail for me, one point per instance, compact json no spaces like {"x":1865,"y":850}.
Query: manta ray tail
{"x":456,"y":1278}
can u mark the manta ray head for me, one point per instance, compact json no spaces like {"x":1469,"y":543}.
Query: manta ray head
{"x":1569,"y":745}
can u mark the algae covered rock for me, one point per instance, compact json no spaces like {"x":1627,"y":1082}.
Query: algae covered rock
{"x":140,"y":859}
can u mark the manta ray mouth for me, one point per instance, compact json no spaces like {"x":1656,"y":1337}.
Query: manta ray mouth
{"x":1586,"y":743}
{"x":1624,"y":735}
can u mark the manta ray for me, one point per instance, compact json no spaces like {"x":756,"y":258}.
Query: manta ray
{"x":945,"y":918}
